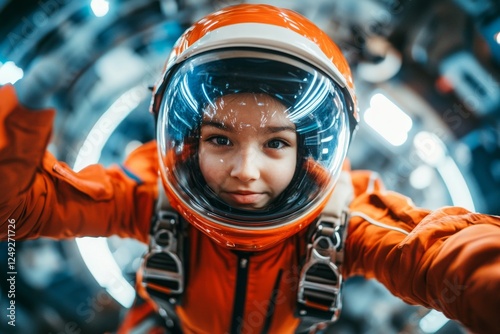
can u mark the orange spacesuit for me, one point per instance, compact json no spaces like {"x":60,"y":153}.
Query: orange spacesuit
{"x":447,"y":259}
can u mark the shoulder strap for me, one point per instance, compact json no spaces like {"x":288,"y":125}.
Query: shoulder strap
{"x":320,"y":284}
{"x":319,"y":293}
{"x":162,"y":267}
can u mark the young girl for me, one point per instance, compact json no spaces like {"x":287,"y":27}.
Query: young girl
{"x":258,"y":219}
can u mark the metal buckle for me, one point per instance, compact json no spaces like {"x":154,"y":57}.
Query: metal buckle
{"x":163,"y":272}
{"x":321,"y":279}
{"x":328,"y":239}
{"x":162,"y":268}
{"x":320,"y":285}
{"x":164,"y":232}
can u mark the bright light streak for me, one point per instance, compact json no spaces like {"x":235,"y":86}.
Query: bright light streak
{"x":432,"y":322}
{"x":421,"y":177}
{"x":388,"y":120}
{"x":497,"y":37}
{"x":95,"y":251}
{"x":455,"y":182}
{"x":99,"y":7}
{"x":100,"y":262}
{"x":10,"y":73}
{"x":91,"y":149}
{"x":431,"y":149}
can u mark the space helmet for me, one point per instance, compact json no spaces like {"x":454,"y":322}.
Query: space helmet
{"x":261,"y":50}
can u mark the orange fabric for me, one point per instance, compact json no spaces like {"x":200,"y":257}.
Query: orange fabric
{"x":135,"y":316}
{"x":267,"y":14}
{"x":47,"y":199}
{"x":208,"y":301}
{"x":448,"y":260}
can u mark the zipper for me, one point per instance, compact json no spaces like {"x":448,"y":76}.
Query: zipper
{"x":272,"y":303}
{"x":240,"y":293}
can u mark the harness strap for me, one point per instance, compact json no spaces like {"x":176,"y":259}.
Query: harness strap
{"x":162,"y":268}
{"x":319,"y":293}
{"x":320,"y":284}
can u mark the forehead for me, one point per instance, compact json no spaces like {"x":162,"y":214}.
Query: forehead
{"x":256,"y":109}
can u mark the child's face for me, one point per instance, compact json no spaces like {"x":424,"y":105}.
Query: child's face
{"x":248,"y":149}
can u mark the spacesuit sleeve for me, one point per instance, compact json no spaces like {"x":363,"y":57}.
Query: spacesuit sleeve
{"x":42,"y":197}
{"x":448,"y":259}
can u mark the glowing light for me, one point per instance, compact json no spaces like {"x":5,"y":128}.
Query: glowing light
{"x":10,"y":73}
{"x":100,"y":262}
{"x":99,"y":7}
{"x":497,"y":37}
{"x":421,"y":177}
{"x":432,"y":151}
{"x":95,"y":251}
{"x":388,"y":120}
{"x":91,"y":149}
{"x":432,"y":322}
{"x":456,"y":184}
{"x":429,"y":148}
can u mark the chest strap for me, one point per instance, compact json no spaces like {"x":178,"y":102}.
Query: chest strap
{"x":320,"y":283}
{"x":163,"y":268}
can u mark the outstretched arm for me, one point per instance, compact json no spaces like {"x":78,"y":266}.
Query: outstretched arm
{"x":448,"y":259}
{"x":46,"y":198}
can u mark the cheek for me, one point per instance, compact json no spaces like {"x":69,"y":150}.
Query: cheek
{"x":212,"y":169}
{"x":283,"y":174}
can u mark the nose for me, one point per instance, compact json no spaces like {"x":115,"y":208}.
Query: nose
{"x":245,"y":165}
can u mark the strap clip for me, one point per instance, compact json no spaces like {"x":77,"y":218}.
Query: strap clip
{"x":162,"y":267}
{"x":320,"y":282}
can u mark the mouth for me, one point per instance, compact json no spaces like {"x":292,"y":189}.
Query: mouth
{"x":245,"y":197}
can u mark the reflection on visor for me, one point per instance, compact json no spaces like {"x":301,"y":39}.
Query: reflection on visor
{"x":314,"y":106}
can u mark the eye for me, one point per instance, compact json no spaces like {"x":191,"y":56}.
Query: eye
{"x":277,"y":144}
{"x":219,"y":141}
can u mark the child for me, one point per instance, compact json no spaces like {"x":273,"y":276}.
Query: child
{"x":249,"y":137}
{"x":262,"y":220}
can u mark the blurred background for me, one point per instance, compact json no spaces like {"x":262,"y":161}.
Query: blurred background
{"x":427,"y":76}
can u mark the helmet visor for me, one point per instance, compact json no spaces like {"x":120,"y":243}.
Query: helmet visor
{"x":228,"y":113}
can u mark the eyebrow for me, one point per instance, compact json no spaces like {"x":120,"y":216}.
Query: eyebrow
{"x":230,"y":128}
